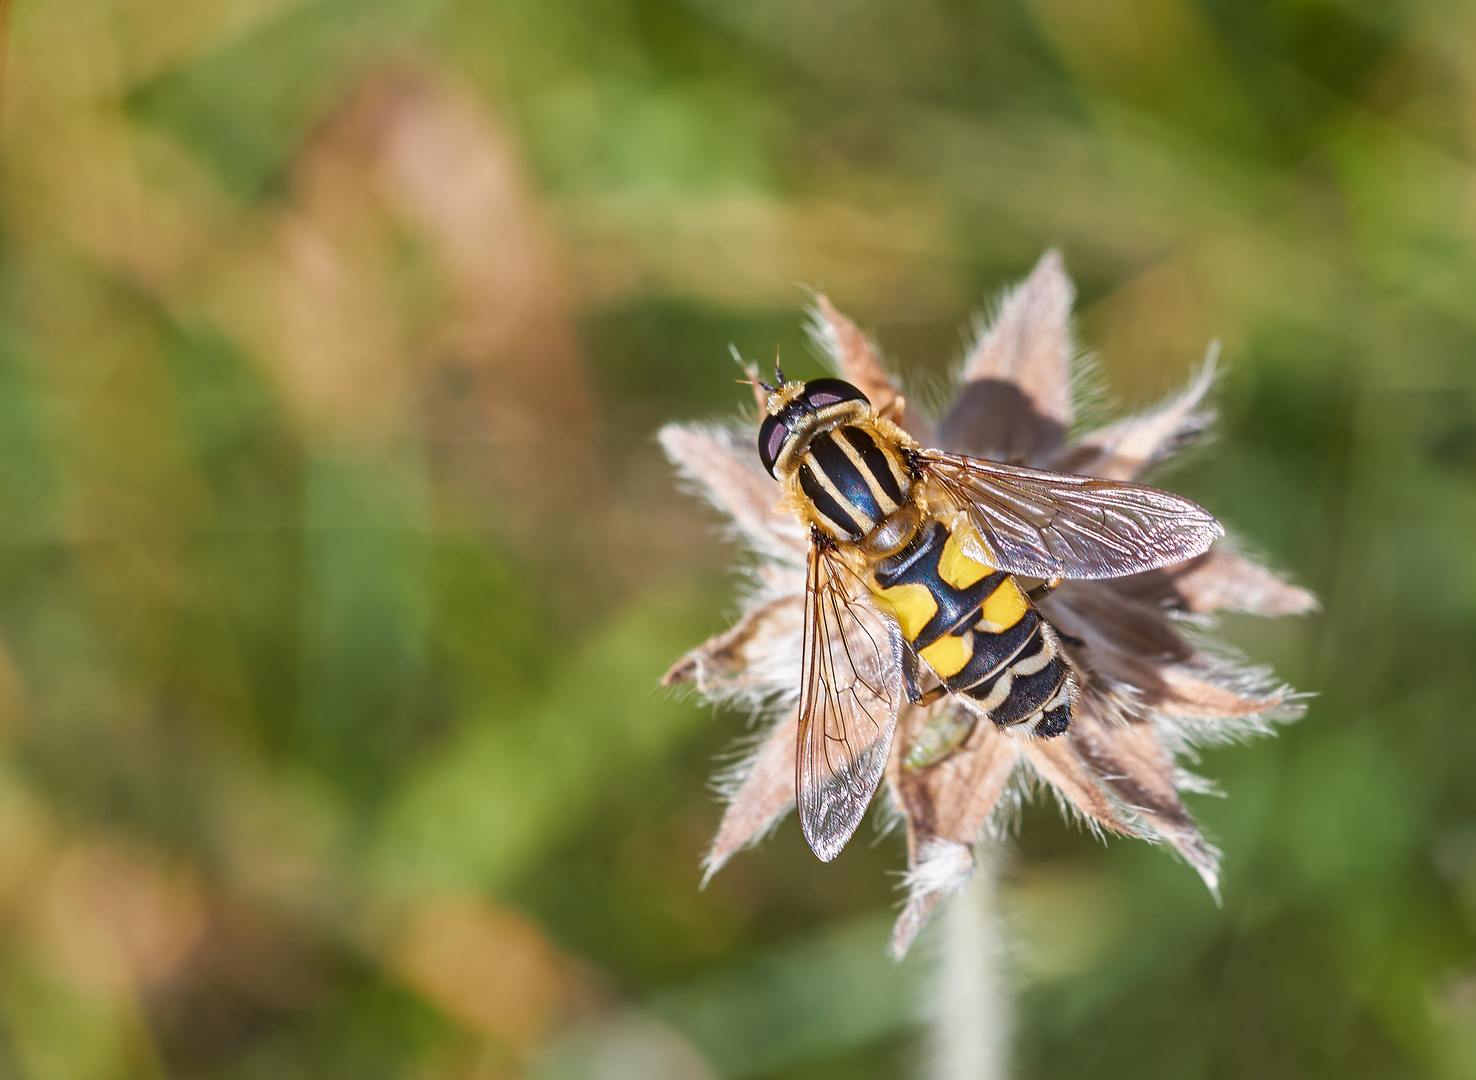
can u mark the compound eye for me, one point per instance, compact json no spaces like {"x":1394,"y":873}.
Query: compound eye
{"x":771,"y":441}
{"x":822,"y":392}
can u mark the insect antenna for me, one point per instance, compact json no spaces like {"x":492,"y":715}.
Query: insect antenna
{"x":750,"y":372}
{"x":761,"y":389}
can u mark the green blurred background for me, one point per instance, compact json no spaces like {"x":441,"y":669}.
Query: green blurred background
{"x":340,"y":563}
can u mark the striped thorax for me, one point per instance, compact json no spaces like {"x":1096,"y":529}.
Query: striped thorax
{"x":845,"y":468}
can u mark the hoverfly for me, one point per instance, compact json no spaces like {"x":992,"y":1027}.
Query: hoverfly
{"x":914,"y":564}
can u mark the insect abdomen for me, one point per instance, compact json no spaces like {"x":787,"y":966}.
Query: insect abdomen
{"x":977,"y":630}
{"x":853,"y":480}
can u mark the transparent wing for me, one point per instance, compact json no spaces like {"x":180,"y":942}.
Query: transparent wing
{"x":848,"y":703}
{"x":1045,"y":524}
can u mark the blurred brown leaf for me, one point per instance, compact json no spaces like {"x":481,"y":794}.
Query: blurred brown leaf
{"x":114,"y":918}
{"x":412,"y":285}
{"x":487,"y":967}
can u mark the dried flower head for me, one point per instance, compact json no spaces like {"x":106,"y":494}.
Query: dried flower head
{"x":1151,"y":692}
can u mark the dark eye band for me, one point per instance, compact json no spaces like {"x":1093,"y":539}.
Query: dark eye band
{"x":820,"y":393}
{"x":771,"y":441}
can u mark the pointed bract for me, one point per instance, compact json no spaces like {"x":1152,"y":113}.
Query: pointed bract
{"x":946,"y":806}
{"x":1130,"y":760}
{"x":855,"y":359}
{"x":726,"y":472}
{"x":1141,"y":650}
{"x":1075,"y":785}
{"x":1221,"y":579}
{"x":1126,"y":449}
{"x":1014,"y":404}
{"x":741,"y":659}
{"x":759,"y":793}
{"x":1029,"y":342}
{"x":953,"y":799}
{"x":851,"y":354}
{"x":941,"y":867}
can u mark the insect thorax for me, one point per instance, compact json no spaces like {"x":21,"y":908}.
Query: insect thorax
{"x":855,"y":481}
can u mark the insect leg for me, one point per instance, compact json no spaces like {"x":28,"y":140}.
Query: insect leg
{"x":909,"y":675}
{"x":1044,"y":589}
{"x":932,"y":695}
{"x":909,"y":681}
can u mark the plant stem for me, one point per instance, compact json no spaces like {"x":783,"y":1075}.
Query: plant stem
{"x":971,"y":1012}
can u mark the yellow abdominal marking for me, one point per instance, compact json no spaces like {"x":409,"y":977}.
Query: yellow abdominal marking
{"x":958,"y":569}
{"x":1005,"y":607}
{"x":911,"y":603}
{"x":948,"y":655}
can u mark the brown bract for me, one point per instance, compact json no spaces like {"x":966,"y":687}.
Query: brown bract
{"x":1150,"y":691}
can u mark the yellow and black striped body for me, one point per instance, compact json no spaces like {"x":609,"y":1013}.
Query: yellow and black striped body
{"x":977,"y":630}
